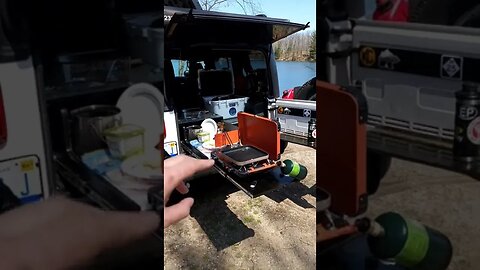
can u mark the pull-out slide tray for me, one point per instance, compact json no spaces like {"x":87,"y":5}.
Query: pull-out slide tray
{"x":255,"y":185}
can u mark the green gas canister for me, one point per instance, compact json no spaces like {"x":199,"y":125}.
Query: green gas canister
{"x":409,"y":243}
{"x":294,"y":169}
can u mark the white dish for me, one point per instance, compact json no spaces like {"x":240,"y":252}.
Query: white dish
{"x":128,"y":183}
{"x":210,"y":126}
{"x":143,"y":167}
{"x":142,"y":105}
{"x":210,"y":145}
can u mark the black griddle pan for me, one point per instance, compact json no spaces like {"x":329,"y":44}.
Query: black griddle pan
{"x":244,"y":155}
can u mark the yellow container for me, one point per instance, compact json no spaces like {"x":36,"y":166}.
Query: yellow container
{"x":125,"y":141}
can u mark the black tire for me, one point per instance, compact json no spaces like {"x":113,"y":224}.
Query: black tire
{"x":470,"y":19}
{"x":283,"y":146}
{"x":378,"y":165}
{"x":443,"y":12}
{"x":306,"y":91}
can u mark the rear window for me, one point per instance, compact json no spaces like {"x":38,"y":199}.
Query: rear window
{"x":248,"y":68}
{"x":223,"y":60}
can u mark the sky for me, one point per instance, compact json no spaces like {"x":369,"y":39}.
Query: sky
{"x":297,"y":11}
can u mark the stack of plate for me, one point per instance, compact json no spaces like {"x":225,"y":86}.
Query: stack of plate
{"x":142,"y":104}
{"x":210,"y":127}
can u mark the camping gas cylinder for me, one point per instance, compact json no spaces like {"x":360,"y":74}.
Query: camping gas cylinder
{"x":466,"y":145}
{"x":294,"y":170}
{"x":312,"y":131}
{"x":409,"y":243}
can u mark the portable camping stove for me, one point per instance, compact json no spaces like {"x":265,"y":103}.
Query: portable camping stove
{"x":258,"y":149}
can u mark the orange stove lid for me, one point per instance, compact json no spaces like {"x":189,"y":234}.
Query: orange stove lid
{"x":259,"y":132}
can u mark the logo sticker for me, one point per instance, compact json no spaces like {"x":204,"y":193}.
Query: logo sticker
{"x":388,"y":60}
{"x":467,"y":113}
{"x":27,"y":165}
{"x":368,"y":56}
{"x":307,"y":113}
{"x":232,"y":111}
{"x":452,"y":67}
{"x":473,"y":131}
{"x":171,"y":148}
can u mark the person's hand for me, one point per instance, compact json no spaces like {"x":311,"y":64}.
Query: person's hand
{"x":176,"y":171}
{"x":62,"y":234}
{"x":324,"y":235}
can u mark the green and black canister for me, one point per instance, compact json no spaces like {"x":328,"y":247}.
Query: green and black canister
{"x":312,"y":132}
{"x":466,"y":143}
{"x":294,"y":170}
{"x":409,"y":243}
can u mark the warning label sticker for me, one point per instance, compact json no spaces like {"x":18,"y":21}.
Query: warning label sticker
{"x":473,"y":131}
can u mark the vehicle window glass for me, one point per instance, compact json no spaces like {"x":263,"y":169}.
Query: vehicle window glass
{"x":370,"y":6}
{"x":180,"y":66}
{"x":222,"y":63}
{"x":257,"y":60}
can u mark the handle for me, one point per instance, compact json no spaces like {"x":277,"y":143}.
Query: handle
{"x":97,"y":132}
{"x":67,"y":129}
{"x":117,"y":121}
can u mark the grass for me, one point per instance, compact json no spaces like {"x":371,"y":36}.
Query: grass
{"x":248,"y":219}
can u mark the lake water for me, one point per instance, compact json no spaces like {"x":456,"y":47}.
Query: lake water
{"x":292,"y":74}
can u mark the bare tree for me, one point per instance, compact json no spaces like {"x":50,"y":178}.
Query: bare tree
{"x":211,"y":4}
{"x":251,"y":7}
{"x":297,"y":47}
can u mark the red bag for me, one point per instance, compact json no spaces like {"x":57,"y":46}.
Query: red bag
{"x":392,"y":10}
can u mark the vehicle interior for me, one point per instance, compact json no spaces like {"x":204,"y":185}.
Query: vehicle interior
{"x":222,"y":74}
{"x":215,"y":56}
{"x":82,"y":61}
{"x":81,"y":57}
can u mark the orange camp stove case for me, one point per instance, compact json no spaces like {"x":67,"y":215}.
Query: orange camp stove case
{"x":257,"y":150}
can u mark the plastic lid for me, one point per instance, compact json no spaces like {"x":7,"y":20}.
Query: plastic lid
{"x":124,"y":131}
{"x":259,"y":132}
{"x":469,"y":91}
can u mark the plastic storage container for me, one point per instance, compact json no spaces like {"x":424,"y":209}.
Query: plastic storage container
{"x":418,"y":95}
{"x":146,"y":38}
{"x":228,"y":107}
{"x":217,"y":88}
{"x":125,"y":141}
{"x":94,"y":68}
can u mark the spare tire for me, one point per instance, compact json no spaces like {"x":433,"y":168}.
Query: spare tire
{"x":471,"y":18}
{"x":306,"y":91}
{"x":442,"y":12}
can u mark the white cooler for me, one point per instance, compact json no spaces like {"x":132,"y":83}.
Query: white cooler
{"x":219,"y":84}
{"x":228,"y":108}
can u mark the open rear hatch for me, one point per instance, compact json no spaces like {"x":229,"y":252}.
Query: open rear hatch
{"x":219,"y":28}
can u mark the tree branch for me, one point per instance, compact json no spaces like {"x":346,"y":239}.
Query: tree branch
{"x":211,"y":4}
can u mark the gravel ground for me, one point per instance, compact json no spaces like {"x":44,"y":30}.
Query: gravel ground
{"x":229,"y":230}
{"x":440,"y":199}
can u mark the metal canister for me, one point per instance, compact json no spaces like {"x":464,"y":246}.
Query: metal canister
{"x":312,"y":132}
{"x":294,"y":169}
{"x":407,"y":242}
{"x":466,"y":146}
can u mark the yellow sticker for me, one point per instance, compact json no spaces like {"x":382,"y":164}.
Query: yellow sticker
{"x":368,"y":57}
{"x":27,"y":165}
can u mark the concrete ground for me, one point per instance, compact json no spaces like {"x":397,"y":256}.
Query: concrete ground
{"x":440,"y":199}
{"x":229,"y":230}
